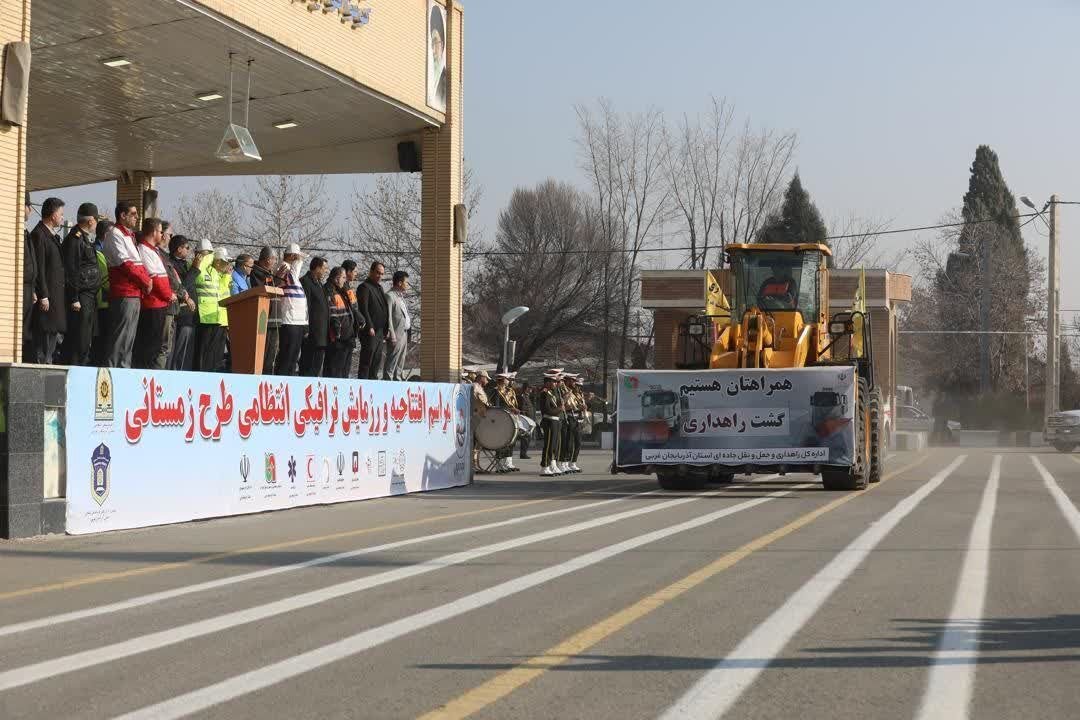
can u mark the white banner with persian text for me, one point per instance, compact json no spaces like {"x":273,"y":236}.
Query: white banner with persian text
{"x":154,"y":447}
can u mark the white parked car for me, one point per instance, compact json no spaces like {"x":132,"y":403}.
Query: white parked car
{"x":1063,"y":430}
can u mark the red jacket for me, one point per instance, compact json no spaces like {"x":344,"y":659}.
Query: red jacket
{"x":127,"y":275}
{"x":161,"y":294}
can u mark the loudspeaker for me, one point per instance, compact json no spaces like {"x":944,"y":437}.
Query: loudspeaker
{"x":150,"y":203}
{"x":16,"y":83}
{"x":408,"y":156}
{"x":461,"y":221}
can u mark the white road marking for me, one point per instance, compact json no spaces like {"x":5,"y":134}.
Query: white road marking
{"x":258,"y":679}
{"x":1065,"y":505}
{"x":153,"y":641}
{"x":952,"y":677}
{"x":718,"y":690}
{"x":150,"y":599}
{"x":164,"y":595}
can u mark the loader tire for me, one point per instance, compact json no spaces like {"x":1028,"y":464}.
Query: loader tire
{"x":854,"y":477}
{"x":672,"y":481}
{"x":1064,"y":447}
{"x":722,"y":478}
{"x":877,"y":438}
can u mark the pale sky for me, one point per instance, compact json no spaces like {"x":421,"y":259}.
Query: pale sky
{"x":889,"y":100}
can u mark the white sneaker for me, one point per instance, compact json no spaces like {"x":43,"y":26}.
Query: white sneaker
{"x":510,"y":464}
{"x":547,"y":472}
{"x":554,"y":468}
{"x":564,"y":468}
{"x":574,"y":467}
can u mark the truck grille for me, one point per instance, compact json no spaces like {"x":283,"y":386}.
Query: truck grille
{"x":1057,"y":421}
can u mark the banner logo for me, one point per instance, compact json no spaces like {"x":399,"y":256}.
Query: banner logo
{"x":382,"y":463}
{"x":103,"y":396}
{"x":99,"y":484}
{"x":356,"y":462}
{"x":292,"y":469}
{"x":245,"y":467}
{"x":310,"y":467}
{"x":271,"y":468}
{"x":341,"y":464}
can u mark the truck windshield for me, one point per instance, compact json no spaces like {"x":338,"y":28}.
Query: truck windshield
{"x":658,"y":398}
{"x":777,"y":281}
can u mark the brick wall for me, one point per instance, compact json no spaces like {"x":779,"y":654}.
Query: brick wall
{"x":14,"y":26}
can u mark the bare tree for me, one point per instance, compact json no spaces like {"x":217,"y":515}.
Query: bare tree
{"x":209,"y":214}
{"x":283,"y":209}
{"x":695,"y":167}
{"x":856,"y":243}
{"x":624,"y":155}
{"x":754,"y":184}
{"x":548,"y":254}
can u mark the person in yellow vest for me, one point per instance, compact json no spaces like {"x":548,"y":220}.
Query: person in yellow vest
{"x":99,"y":348}
{"x":212,"y":285}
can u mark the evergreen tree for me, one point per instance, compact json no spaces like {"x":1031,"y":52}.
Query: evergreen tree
{"x":798,"y":220}
{"x":991,"y":264}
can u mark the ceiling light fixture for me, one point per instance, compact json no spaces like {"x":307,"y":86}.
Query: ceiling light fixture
{"x":209,"y":95}
{"x":285,"y":124}
{"x":116,"y":62}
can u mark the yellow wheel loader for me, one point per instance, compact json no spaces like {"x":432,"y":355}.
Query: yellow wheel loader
{"x":767,"y":382}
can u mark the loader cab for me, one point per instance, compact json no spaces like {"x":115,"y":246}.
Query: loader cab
{"x":779,"y":278}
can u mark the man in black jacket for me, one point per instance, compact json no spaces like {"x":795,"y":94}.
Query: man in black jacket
{"x":371,"y":300}
{"x":314,"y":350}
{"x":29,"y":283}
{"x":182,"y":356}
{"x":50,"y":313}
{"x":263,"y":274}
{"x":82,"y":279}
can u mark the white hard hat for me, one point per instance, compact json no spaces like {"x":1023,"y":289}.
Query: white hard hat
{"x":205,"y":246}
{"x":222,"y":254}
{"x":292,"y":249}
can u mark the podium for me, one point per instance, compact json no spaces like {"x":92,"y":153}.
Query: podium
{"x":249,"y":313}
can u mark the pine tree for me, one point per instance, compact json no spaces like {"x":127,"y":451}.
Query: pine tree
{"x":798,"y":220}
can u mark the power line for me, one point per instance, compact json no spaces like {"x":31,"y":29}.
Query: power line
{"x":487,"y":253}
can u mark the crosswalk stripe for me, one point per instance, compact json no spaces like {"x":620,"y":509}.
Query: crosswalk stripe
{"x":952,"y":676}
{"x":1065,"y":505}
{"x":258,"y":679}
{"x":718,"y":690}
{"x":89,"y":658}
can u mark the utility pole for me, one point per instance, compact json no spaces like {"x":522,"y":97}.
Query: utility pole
{"x":1053,"y":316}
{"x":984,"y":310}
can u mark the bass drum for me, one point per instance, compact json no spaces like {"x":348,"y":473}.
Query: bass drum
{"x":495,"y":429}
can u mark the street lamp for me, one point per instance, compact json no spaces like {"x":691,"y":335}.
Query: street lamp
{"x":508,"y":319}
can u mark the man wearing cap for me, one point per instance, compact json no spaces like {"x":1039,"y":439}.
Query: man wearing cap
{"x":128,"y":282}
{"x":551,"y":411}
{"x":211,"y":286}
{"x":29,"y":282}
{"x":480,"y":407}
{"x":82,"y":278}
{"x":504,"y":398}
{"x":294,"y":311}
{"x":571,"y":439}
{"x":50,"y":313}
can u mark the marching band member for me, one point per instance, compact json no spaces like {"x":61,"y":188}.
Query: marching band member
{"x":551,"y":410}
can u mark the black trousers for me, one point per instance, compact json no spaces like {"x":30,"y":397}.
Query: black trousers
{"x":29,"y":353}
{"x":523,"y":445}
{"x":552,"y":441}
{"x":571,"y":440}
{"x":336,"y":364}
{"x":149,"y":338}
{"x":80,"y":332}
{"x":99,"y":349}
{"x":210,"y":347}
{"x":372,"y":356}
{"x":290,"y":340}
{"x":312,"y":359}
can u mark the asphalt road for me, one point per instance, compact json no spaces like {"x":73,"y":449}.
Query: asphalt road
{"x":950,"y":590}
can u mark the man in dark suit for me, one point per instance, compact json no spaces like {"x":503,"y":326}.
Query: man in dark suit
{"x":314,"y":349}
{"x":50,"y":313}
{"x":371,"y":300}
{"x":29,"y":285}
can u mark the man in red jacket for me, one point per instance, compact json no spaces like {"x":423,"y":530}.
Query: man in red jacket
{"x":154,"y":305}
{"x":128,"y":282}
